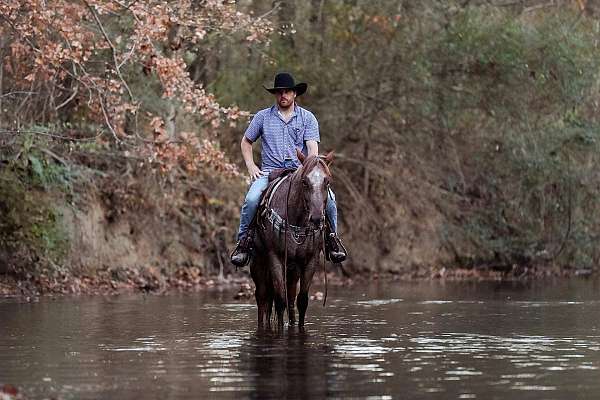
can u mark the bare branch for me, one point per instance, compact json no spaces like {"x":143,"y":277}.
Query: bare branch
{"x":67,"y":101}
{"x":125,"y":6}
{"x":17,"y":92}
{"x":107,"y":118}
{"x":49,"y":134}
{"x":53,"y":155}
{"x":112,"y":48}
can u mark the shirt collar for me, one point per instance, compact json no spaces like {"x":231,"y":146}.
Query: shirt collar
{"x":275,"y":110}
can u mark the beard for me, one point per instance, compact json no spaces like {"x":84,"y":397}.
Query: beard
{"x":285,"y":104}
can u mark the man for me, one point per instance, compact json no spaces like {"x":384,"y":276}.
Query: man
{"x":283,"y":128}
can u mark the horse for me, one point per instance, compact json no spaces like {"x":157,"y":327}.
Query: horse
{"x":289,"y":239}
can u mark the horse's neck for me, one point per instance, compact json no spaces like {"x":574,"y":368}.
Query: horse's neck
{"x":292,"y":207}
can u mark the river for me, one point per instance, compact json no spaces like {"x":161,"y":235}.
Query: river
{"x":426,"y":340}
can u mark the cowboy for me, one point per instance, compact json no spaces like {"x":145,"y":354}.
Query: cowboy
{"x":283,"y":128}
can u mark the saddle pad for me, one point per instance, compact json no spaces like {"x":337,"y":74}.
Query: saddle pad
{"x":268,"y":193}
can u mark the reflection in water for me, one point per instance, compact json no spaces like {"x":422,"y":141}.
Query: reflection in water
{"x":287,"y":365}
{"x":412,"y":341}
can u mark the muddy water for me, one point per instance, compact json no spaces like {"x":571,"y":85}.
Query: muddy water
{"x":410,"y":341}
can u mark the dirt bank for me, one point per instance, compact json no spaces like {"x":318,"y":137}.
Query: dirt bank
{"x":140,"y":233}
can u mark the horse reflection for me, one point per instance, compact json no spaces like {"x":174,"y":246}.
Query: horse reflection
{"x":291,"y":365}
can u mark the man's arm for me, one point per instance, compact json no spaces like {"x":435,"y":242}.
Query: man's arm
{"x":253,"y":132}
{"x":253,"y":169}
{"x":312,"y":147}
{"x":311,"y":134}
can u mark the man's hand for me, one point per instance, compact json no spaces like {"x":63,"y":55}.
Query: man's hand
{"x":255,"y":172}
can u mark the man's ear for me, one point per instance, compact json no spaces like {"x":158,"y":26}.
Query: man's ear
{"x":300,"y":155}
{"x":329,"y":158}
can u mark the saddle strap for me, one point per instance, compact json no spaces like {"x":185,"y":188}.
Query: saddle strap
{"x":275,"y":189}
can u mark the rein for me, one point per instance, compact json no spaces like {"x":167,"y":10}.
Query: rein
{"x":322,"y":261}
{"x":285,"y":257}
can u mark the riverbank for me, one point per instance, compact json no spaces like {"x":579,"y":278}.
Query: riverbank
{"x":109,"y":227}
{"x":114,"y":280}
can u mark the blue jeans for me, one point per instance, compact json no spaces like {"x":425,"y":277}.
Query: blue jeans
{"x":252,"y":200}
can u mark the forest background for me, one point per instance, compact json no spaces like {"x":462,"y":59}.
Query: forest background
{"x":466,"y":133}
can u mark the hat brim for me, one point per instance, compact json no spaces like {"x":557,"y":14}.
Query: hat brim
{"x":300,"y":89}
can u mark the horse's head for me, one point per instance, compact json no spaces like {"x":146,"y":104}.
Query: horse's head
{"x":315,"y":179}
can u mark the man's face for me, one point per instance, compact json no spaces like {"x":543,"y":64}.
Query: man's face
{"x":285,"y":98}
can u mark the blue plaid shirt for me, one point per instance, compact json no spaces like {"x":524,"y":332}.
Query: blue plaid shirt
{"x":279,"y":138}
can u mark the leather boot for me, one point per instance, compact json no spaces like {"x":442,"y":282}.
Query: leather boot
{"x":243,"y":251}
{"x":334,"y":249}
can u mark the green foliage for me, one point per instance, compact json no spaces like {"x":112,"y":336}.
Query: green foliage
{"x":33,"y":180}
{"x":30,"y":227}
{"x":495,"y":106}
{"x":529,"y":83}
{"x":39,"y":166}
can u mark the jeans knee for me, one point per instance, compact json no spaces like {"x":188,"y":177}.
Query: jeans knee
{"x":252,"y":198}
{"x":255,"y":192}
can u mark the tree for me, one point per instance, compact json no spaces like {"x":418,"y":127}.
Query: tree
{"x":120,"y":68}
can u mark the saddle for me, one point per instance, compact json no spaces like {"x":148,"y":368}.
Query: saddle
{"x":279,"y":173}
{"x":276,"y":177}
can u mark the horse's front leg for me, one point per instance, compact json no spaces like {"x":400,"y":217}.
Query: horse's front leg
{"x":305,"y":282}
{"x":278,"y":288}
{"x":269,"y":310}
{"x":259,"y":277}
{"x":292,"y":287}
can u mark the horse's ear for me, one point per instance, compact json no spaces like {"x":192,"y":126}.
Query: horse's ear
{"x":329,"y":158}
{"x":300,"y":155}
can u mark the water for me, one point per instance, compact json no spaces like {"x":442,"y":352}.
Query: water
{"x":411,"y":341}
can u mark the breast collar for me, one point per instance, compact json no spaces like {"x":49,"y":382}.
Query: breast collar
{"x":279,"y":223}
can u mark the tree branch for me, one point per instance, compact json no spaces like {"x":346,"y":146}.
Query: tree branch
{"x":52,"y":135}
{"x":112,"y":48}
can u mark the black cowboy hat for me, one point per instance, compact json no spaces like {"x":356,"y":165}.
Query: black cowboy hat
{"x":284,"y":80}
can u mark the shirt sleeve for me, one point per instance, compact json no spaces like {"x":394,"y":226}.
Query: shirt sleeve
{"x":255,"y":129}
{"x":311,"y":130}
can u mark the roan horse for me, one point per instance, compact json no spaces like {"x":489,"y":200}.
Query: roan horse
{"x":289,"y":240}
